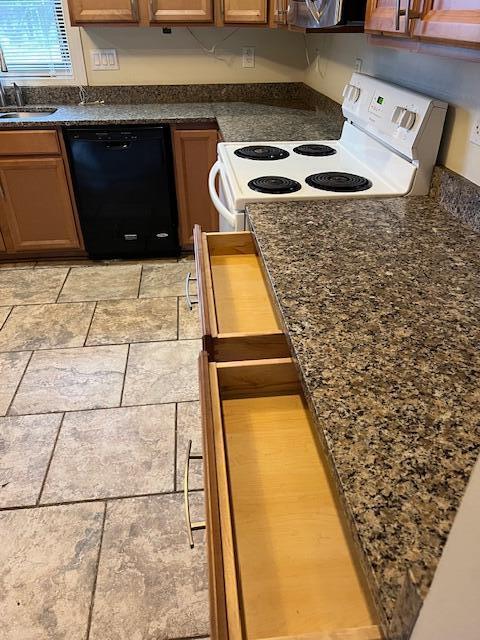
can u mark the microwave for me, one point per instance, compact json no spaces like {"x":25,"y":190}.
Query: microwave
{"x":322,"y":14}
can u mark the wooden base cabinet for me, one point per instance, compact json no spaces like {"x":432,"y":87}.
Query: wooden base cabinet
{"x":195,"y":152}
{"x":36,"y":209}
{"x":281,"y":565}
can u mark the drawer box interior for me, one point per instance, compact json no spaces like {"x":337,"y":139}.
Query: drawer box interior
{"x":236,"y":306}
{"x":288,"y":566}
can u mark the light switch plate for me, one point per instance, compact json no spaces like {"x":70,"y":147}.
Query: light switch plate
{"x":248,"y":57}
{"x":104,"y":59}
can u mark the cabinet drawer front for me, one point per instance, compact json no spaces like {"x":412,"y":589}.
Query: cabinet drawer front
{"x":28,"y":143}
{"x":236,"y":309}
{"x":288,"y":567}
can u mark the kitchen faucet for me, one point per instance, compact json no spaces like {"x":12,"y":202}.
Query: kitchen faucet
{"x":4,"y":69}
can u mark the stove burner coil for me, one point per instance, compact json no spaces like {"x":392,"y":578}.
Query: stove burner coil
{"x":318,"y":150}
{"x":274,"y":184}
{"x":261,"y":152}
{"x":338,"y":181}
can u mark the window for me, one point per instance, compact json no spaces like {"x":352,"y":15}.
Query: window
{"x":36,"y":41}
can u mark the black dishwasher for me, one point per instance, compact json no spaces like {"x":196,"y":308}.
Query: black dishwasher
{"x":124,"y":187}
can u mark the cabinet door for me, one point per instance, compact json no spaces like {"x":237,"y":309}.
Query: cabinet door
{"x":244,"y":11}
{"x":195,"y":153}
{"x":168,"y":11}
{"x":101,"y":11}
{"x":35,"y":207}
{"x":391,"y":17}
{"x":279,"y":8}
{"x":452,"y":22}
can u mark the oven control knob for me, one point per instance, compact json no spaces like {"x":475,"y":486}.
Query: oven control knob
{"x":403,"y":118}
{"x":351,"y":92}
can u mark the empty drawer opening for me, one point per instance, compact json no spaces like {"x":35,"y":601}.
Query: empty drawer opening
{"x":242,"y":299}
{"x":295,"y":571}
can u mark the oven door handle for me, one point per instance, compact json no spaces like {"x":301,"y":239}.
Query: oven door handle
{"x":218,"y":204}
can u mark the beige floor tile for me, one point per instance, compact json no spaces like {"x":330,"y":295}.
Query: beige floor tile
{"x":47,"y":567}
{"x":26,"y":443}
{"x":189,"y":427}
{"x":121,"y":321}
{"x":30,"y":286}
{"x":17,"y":265}
{"x":12,"y":366}
{"x":150,"y":585}
{"x":46,"y":326}
{"x":113,"y":452}
{"x":74,"y":262}
{"x":162,"y":372}
{"x":188,"y":321}
{"x":101,"y":283}
{"x":72,"y":379}
{"x":166,"y":280}
{"x":4,"y":311}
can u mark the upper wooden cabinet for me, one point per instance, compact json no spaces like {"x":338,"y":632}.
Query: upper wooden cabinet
{"x":103,"y":11}
{"x":390,"y":16}
{"x":244,"y":11}
{"x":168,"y":11}
{"x":449,"y":22}
{"x":453,"y":22}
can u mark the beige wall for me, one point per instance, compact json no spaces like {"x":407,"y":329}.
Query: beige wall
{"x":147,"y":56}
{"x":458,"y":82}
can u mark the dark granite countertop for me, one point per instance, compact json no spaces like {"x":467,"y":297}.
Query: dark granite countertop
{"x":237,"y":121}
{"x":381,"y":303}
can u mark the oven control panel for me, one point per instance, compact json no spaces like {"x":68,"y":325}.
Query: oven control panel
{"x":401,"y":118}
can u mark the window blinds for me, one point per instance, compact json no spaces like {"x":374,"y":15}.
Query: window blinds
{"x":33,"y":38}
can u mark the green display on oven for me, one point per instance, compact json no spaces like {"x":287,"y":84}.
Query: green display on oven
{"x":379,"y":100}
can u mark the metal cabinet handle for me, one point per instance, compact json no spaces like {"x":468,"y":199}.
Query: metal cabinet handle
{"x":134,"y":9}
{"x":189,"y":279}
{"x":408,"y":13}
{"x":152,"y":10}
{"x":199,"y":524}
{"x":2,"y":191}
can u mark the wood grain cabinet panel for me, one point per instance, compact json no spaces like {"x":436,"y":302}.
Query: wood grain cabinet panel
{"x":452,"y":22}
{"x":170,"y":11}
{"x":3,"y":248}
{"x":244,"y":11}
{"x":381,"y":16}
{"x":103,"y":11}
{"x":36,"y":212}
{"x":195,"y":153}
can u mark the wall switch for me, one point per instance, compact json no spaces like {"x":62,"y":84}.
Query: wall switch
{"x":475,"y":132}
{"x":248,"y":57}
{"x":104,"y":59}
{"x":358,"y":64}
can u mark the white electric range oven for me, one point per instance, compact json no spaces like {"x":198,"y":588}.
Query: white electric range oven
{"x":388,"y":147}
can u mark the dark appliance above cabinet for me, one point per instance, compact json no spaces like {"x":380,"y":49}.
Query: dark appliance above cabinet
{"x":124,"y":186}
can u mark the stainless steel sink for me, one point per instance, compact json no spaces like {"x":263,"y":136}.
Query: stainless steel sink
{"x":28,"y":114}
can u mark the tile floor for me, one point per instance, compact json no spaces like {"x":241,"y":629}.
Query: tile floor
{"x":98,"y":399}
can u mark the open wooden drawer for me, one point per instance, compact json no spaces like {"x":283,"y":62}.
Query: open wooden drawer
{"x":280,"y":562}
{"x":239,"y":318}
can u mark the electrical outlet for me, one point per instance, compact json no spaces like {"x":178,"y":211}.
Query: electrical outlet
{"x":475,"y":132}
{"x":104,"y":59}
{"x":248,"y":57}
{"x":358,"y":64}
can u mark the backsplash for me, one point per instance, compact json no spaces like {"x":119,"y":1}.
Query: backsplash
{"x":285,"y":94}
{"x":456,"y":194}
